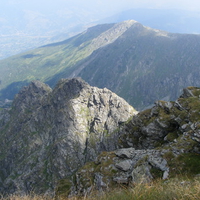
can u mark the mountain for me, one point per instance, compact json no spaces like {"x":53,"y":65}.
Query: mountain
{"x":33,"y":24}
{"x":138,"y":63}
{"x":159,"y":143}
{"x":76,"y":138}
{"x":48,"y":134}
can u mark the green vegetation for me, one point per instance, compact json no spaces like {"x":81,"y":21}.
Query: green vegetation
{"x":186,"y":164}
{"x":172,"y":136}
{"x":133,"y":67}
{"x":166,"y":190}
{"x":58,"y":60}
{"x":63,"y":188}
{"x":178,"y":188}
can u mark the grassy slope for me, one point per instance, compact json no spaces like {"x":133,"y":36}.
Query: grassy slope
{"x":178,"y":188}
{"x":142,"y":65}
{"x":49,"y":60}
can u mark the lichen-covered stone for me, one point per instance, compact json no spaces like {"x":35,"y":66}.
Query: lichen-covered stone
{"x":164,"y":123}
{"x":76,"y":139}
{"x":114,"y":168}
{"x":160,"y":142}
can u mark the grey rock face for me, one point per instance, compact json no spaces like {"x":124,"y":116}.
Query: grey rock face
{"x":164,"y":122}
{"x":123,"y":166}
{"x":158,"y":142}
{"x":51,"y":133}
{"x":4,"y":117}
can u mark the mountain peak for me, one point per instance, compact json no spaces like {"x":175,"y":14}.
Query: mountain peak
{"x":64,"y":127}
{"x":113,"y":33}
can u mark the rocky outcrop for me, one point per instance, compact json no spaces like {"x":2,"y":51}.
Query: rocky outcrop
{"x":123,"y":166}
{"x":49,"y":134}
{"x":160,"y":142}
{"x":75,"y":139}
{"x":164,"y":123}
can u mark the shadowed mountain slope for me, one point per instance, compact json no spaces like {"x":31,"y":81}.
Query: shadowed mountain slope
{"x":48,"y":134}
{"x":76,"y":138}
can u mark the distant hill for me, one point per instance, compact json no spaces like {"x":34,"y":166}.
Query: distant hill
{"x":138,"y":63}
{"x":33,"y":24}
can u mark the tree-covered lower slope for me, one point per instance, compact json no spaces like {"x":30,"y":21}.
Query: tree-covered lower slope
{"x":138,"y":63}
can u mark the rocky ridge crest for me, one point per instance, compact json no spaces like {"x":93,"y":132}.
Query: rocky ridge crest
{"x":49,"y":134}
{"x":161,"y":142}
{"x":75,"y":139}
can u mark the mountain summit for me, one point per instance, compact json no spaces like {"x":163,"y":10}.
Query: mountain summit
{"x":48,"y":134}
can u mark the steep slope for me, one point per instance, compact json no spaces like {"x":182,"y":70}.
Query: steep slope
{"x":161,"y":142}
{"x":48,"y":134}
{"x":52,"y":59}
{"x":48,"y":137}
{"x":138,"y":63}
{"x":144,"y":65}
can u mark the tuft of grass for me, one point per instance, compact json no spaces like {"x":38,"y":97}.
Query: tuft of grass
{"x":166,"y":190}
{"x":26,"y":197}
{"x":180,"y":188}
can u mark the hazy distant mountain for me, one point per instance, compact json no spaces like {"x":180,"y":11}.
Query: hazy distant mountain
{"x":26,"y":25}
{"x":138,"y":63}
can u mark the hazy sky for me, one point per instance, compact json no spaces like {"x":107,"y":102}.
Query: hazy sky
{"x":177,"y":4}
{"x":112,"y":4}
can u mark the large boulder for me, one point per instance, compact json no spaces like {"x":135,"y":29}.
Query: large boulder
{"x":120,"y":167}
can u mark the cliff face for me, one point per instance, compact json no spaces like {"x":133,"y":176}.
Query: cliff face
{"x":77,"y":138}
{"x":161,"y":142}
{"x":48,"y":134}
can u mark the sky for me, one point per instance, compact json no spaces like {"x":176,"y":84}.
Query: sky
{"x":166,"y":4}
{"x":112,"y":4}
{"x":99,"y":7}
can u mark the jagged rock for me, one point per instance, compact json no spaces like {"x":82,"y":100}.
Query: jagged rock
{"x":31,"y":96}
{"x":123,"y":153}
{"x":51,"y":133}
{"x":163,"y":123}
{"x":123,"y":166}
{"x":166,"y":141}
{"x":4,"y":117}
{"x":187,"y":92}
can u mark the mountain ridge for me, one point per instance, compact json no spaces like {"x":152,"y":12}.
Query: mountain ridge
{"x":120,"y":56}
{"x":76,"y":138}
{"x":48,"y":134}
